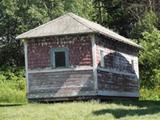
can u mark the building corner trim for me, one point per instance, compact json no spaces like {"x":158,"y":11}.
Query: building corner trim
{"x":94,"y":60}
{"x":26,"y":65}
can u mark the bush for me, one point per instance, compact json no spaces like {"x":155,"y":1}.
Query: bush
{"x":150,"y":94}
{"x":12,"y":85}
{"x":9,"y":95}
{"x":149,"y":60}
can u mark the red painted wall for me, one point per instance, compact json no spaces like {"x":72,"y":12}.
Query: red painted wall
{"x":39,"y":50}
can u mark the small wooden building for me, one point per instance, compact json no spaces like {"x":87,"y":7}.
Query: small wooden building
{"x":71,"y":57}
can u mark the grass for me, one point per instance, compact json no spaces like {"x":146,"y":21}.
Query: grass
{"x":125,"y":110}
{"x":13,"y":104}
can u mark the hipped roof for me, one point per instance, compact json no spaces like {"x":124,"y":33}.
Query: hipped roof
{"x":72,"y":24}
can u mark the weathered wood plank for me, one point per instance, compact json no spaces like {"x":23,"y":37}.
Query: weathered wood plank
{"x":117,"y":82}
{"x":59,"y":84}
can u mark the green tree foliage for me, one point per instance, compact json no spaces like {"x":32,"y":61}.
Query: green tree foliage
{"x":147,"y":23}
{"x":18,"y":16}
{"x":8,"y":29}
{"x":117,"y":14}
{"x":150,"y":59}
{"x":100,"y":14}
{"x":122,"y":15}
{"x":83,"y":8}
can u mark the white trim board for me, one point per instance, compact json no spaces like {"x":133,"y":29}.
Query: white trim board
{"x":94,"y":59}
{"x":54,"y":96}
{"x":118,"y":93}
{"x":117,"y":72}
{"x":51,"y":87}
{"x":80,"y":68}
{"x":26,"y":65}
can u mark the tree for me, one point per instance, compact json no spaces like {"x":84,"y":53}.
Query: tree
{"x":82,"y":8}
{"x":8,"y":24}
{"x":145,"y":24}
{"x":122,"y":15}
{"x":150,"y":59}
{"x":18,"y":16}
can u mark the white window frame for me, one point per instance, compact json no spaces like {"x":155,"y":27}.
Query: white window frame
{"x":132,"y":63}
{"x":102,"y":55}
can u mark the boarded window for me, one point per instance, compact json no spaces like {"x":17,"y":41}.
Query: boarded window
{"x":60,"y":57}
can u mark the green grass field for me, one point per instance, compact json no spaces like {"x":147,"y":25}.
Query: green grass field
{"x":137,"y":110}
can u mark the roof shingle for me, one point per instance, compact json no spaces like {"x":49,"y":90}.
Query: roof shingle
{"x":72,"y":24}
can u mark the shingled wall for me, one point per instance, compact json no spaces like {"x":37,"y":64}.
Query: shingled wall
{"x":120,"y":70}
{"x":39,"y":50}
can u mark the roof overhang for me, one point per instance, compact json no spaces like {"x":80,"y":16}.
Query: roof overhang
{"x":70,"y":24}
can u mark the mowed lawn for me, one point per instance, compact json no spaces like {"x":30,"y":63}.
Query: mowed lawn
{"x":135,"y":110}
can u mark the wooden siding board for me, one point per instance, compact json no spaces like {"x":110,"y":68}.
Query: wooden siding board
{"x":59,"y":84}
{"x":117,"y":82}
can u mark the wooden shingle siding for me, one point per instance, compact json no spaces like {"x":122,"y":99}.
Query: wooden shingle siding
{"x":119,"y":73}
{"x":61,"y":84}
{"x":79,"y":47}
{"x":117,"y":82}
{"x":112,"y":44}
{"x":118,"y":57}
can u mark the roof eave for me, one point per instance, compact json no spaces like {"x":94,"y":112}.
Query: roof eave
{"x":133,"y":44}
{"x":19,"y":37}
{"x":121,"y":40}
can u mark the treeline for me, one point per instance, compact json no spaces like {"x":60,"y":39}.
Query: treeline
{"x":135,"y":19}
